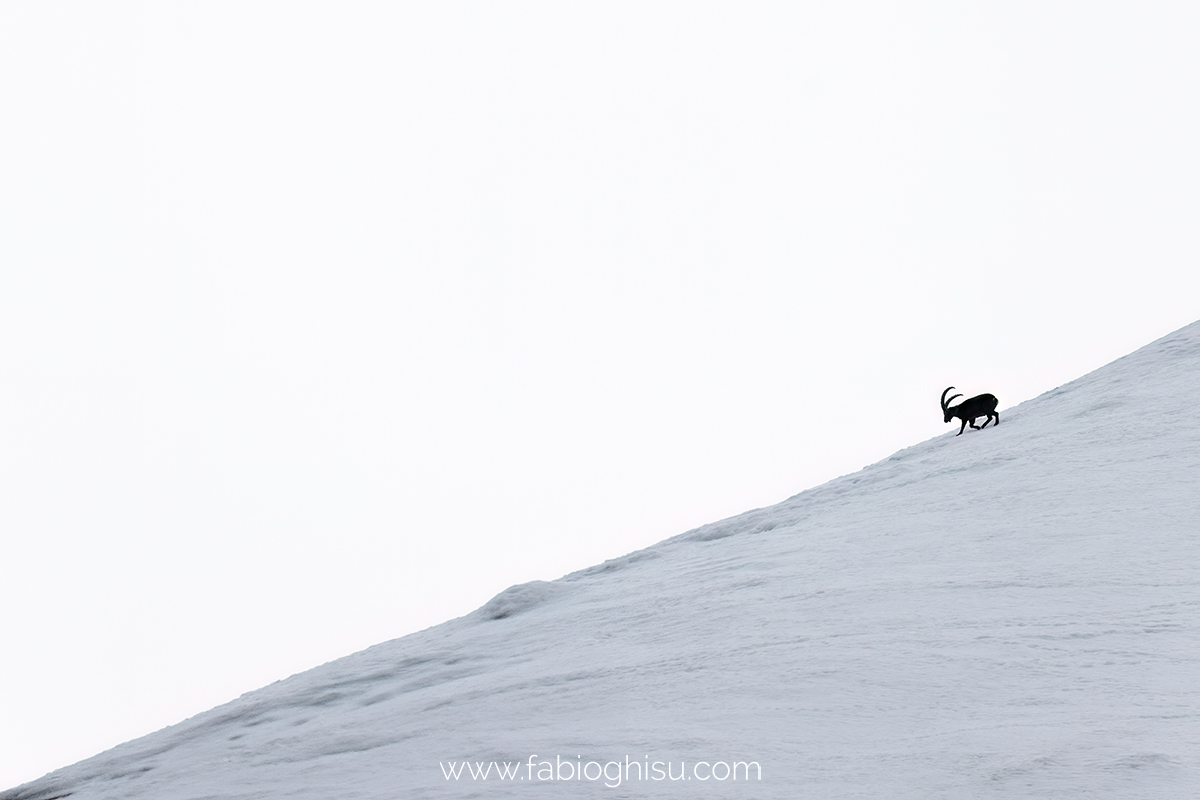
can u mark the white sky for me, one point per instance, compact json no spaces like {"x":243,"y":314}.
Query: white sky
{"x":323,"y":323}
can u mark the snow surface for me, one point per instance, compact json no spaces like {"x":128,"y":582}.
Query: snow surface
{"x":1007,"y":613}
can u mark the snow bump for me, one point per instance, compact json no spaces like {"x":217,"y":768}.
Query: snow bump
{"x":518,"y":599}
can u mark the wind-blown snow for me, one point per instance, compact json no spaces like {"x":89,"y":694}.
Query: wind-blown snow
{"x":1007,"y":613}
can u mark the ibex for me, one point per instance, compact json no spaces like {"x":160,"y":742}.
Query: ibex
{"x":983,"y":405}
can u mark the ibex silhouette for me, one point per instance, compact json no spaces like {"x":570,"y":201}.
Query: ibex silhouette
{"x":983,"y":405}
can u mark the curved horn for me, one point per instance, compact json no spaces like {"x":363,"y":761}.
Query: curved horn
{"x":945,"y":402}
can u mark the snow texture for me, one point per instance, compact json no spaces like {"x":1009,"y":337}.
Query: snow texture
{"x":1011,"y":613}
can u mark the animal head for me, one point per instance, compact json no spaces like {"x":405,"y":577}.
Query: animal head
{"x":949,"y":412}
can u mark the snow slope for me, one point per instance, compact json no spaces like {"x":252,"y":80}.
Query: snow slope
{"x":1010,"y":613}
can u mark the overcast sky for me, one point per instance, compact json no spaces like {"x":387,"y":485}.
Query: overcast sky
{"x":321,"y":323}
